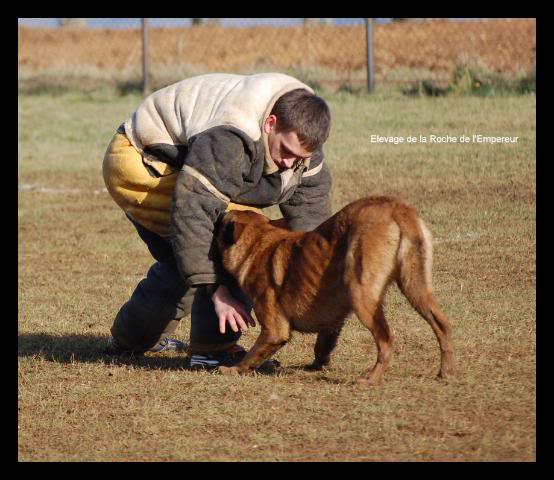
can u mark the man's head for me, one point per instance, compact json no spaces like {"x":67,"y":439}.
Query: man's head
{"x":298,"y":124}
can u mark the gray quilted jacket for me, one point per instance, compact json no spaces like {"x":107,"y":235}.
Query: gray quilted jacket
{"x":210,"y":127}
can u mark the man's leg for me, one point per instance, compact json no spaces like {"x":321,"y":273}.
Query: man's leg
{"x":153,"y":312}
{"x":158,"y":303}
{"x":161,"y":300}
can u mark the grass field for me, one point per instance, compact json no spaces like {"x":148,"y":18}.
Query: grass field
{"x":79,"y":260}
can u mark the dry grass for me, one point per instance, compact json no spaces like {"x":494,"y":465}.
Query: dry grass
{"x":79,"y":260}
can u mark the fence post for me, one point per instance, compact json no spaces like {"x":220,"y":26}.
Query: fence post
{"x":145,"y":59}
{"x":72,"y":22}
{"x":370,"y":68}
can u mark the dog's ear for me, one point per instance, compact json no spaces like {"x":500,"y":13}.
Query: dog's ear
{"x":232,"y":232}
{"x":228,"y":233}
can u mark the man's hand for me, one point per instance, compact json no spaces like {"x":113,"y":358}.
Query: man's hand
{"x":230,"y":310}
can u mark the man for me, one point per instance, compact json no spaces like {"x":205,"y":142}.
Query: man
{"x":189,"y":152}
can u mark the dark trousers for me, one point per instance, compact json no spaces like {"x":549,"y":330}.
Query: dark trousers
{"x":162,"y":299}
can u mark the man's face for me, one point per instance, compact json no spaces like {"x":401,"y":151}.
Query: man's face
{"x":285,"y":148}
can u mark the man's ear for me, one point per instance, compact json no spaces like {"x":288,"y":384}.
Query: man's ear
{"x":270,"y":123}
{"x":232,"y":232}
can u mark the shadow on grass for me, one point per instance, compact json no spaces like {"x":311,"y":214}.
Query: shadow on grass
{"x":319,"y":375}
{"x":89,"y":349}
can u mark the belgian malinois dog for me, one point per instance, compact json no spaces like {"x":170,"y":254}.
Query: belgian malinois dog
{"x":311,"y":281}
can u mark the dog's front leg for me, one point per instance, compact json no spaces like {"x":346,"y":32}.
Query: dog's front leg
{"x":324,"y":346}
{"x":265,"y":346}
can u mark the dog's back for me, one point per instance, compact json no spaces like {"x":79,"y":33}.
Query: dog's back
{"x":365,"y":243}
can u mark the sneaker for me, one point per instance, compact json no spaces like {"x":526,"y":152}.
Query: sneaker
{"x":164,"y":345}
{"x":169,"y":345}
{"x":229,"y":358}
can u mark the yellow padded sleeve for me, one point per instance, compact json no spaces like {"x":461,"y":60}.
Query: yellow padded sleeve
{"x":146,"y":199}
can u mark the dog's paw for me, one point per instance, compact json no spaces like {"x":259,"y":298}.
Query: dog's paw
{"x":364,"y":382}
{"x":445,"y":376}
{"x":269,"y":367}
{"x":229,"y":370}
{"x":315,"y":366}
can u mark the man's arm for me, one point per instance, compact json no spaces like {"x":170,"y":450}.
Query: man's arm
{"x":310,"y":205}
{"x":212,"y":174}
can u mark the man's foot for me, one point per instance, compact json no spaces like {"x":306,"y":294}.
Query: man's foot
{"x":164,"y":345}
{"x":228,"y":358}
{"x":169,"y":345}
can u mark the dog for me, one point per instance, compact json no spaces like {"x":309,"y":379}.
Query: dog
{"x":311,"y":281}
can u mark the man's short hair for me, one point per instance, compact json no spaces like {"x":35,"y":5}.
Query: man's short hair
{"x":305,"y":114}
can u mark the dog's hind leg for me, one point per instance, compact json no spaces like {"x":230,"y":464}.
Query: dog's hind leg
{"x":414,"y":280}
{"x":441,"y":326}
{"x":370,"y":266}
{"x":371,"y":314}
{"x":426,"y":305}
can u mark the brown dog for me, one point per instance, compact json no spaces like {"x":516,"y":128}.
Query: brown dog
{"x":311,"y":281}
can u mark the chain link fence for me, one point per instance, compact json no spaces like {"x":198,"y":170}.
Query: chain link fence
{"x":329,"y":53}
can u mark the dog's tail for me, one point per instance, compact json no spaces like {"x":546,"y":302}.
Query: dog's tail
{"x":414,"y":261}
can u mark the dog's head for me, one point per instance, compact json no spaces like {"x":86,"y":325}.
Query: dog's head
{"x":231,"y":225}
